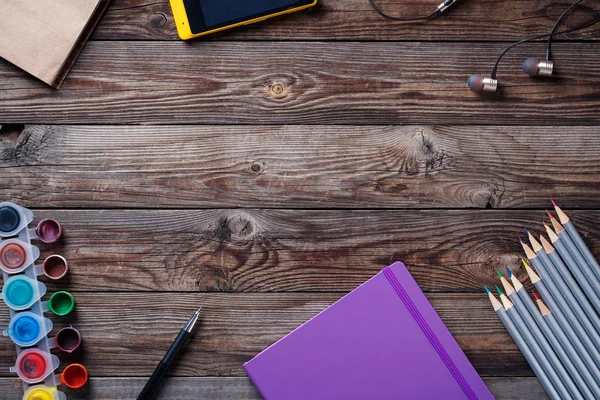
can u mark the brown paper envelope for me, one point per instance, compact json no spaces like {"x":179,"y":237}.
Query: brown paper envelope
{"x":40,"y":35}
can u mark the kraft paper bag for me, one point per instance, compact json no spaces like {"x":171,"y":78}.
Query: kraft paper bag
{"x":44,"y":37}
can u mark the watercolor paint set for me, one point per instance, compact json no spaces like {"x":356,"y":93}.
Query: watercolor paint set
{"x":22,"y":292}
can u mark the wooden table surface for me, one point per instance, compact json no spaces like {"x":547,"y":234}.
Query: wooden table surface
{"x":266,"y":171}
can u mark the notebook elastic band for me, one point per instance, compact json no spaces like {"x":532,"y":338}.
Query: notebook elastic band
{"x":460,"y":379}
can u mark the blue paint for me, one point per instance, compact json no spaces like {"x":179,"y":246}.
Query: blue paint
{"x":9,"y":219}
{"x":486,"y":289}
{"x":18,"y":292}
{"x":508,"y":271}
{"x":25,"y":330}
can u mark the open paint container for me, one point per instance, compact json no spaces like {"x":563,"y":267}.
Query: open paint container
{"x":20,"y":292}
{"x":43,"y":392}
{"x":16,"y":255}
{"x":27,"y":328}
{"x":13,"y":218}
{"x":74,"y":376}
{"x":61,"y":303}
{"x":67,"y":339}
{"x":34,"y":365}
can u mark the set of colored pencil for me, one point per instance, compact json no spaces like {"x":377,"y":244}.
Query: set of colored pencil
{"x":561,"y":342}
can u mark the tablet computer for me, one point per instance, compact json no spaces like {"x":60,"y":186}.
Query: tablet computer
{"x":200,"y":17}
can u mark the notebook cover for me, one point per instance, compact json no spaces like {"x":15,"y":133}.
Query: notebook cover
{"x":44,"y":37}
{"x":382,"y":341}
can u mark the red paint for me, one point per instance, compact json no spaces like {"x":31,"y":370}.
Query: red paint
{"x":74,"y":376}
{"x":49,"y":230}
{"x":33,"y":365}
{"x":13,"y":256}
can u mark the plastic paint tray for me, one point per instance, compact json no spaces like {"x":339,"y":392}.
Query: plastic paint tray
{"x":17,"y":256}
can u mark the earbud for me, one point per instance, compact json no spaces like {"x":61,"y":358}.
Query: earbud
{"x":534,"y":67}
{"x":479,"y":83}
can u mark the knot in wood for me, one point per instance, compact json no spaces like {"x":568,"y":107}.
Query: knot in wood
{"x":158,"y":20}
{"x":278,"y":89}
{"x":256,"y":167}
{"x":235,"y":227}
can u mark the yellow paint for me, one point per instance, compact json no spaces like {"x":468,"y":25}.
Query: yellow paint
{"x":185,"y":32}
{"x":40,"y":393}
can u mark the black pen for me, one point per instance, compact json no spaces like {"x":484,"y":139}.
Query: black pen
{"x":159,"y":373}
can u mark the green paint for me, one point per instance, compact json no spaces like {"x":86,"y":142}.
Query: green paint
{"x":61,"y":303}
{"x":499,"y":273}
{"x":499,"y":291}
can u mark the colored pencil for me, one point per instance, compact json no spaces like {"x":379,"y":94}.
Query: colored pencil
{"x":571,"y":300}
{"x":541,"y":339}
{"x":586,"y":369}
{"x":557,"y":303}
{"x":579,"y":243}
{"x":527,"y":353}
{"x":574,"y":261}
{"x":533,"y":345}
{"x":565,"y":263}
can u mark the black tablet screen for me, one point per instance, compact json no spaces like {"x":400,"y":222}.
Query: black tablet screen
{"x":205,"y":15}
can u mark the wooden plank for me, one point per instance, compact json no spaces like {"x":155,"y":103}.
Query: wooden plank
{"x":305,"y":83}
{"x":356,"y":20}
{"x":125,"y":334}
{"x":299,"y":166}
{"x":240,"y":388}
{"x":292,"y":250}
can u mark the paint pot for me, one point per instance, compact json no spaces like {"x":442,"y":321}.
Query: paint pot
{"x":20,"y":292}
{"x":68,"y":339}
{"x":13,"y":218}
{"x":16,"y":255}
{"x":48,"y":230}
{"x":74,"y":376}
{"x":9,"y":219}
{"x":43,"y":392}
{"x":55,"y":267}
{"x":27,"y":328}
{"x":34,"y":365}
{"x":61,"y":303}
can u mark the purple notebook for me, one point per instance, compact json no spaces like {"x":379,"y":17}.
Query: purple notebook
{"x":382,"y":341}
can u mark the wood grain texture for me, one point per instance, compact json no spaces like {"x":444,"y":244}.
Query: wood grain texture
{"x":292,"y":250}
{"x":126,"y":334}
{"x":356,"y":20}
{"x":312,"y":83}
{"x":184,"y":388}
{"x":299,"y":166}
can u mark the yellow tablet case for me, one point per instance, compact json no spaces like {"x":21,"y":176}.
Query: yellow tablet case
{"x":185,"y":32}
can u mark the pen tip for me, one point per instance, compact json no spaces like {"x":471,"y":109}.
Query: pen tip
{"x":535,"y":296}
{"x":549,"y":214}
{"x":526,"y":231}
{"x":554,"y":203}
{"x":486,"y":289}
{"x":499,"y":273}
{"x":508,"y":271}
{"x":499,"y":291}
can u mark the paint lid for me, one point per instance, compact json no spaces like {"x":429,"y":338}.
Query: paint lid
{"x":34,"y":365}
{"x":16,"y":255}
{"x":74,"y":376}
{"x":13,"y":218}
{"x":43,"y":392}
{"x":20,"y":292}
{"x":61,"y":303}
{"x":68,"y":339}
{"x":55,"y":267}
{"x":27,"y":328}
{"x":48,"y":230}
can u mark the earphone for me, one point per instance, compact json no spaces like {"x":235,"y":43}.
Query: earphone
{"x":532,"y":66}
